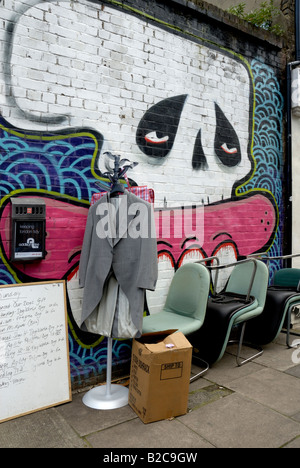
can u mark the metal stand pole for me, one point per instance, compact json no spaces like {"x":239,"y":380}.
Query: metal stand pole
{"x":109,"y":396}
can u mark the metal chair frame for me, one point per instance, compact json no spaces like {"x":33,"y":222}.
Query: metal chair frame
{"x":265,"y":256}
{"x":240,"y":342}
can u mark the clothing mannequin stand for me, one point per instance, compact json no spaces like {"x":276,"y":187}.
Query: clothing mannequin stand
{"x":109,"y":396}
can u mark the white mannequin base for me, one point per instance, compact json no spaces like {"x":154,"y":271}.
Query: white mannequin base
{"x":99,"y":398}
{"x":109,"y":396}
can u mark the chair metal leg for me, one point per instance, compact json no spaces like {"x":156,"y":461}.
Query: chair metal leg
{"x":288,"y":330}
{"x":240,"y":342}
{"x":206,"y":367}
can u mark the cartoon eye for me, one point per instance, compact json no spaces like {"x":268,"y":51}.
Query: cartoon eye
{"x":155,"y":139}
{"x":229,"y":150}
{"x":227,"y":145}
{"x":157,"y":129}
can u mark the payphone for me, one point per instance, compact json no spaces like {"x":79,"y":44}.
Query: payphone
{"x":28,"y":229}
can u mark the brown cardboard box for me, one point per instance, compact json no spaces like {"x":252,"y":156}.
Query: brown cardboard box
{"x":160,"y":375}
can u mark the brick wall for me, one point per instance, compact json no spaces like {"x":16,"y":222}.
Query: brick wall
{"x":190,"y":93}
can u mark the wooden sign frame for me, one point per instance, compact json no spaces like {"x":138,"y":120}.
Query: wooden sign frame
{"x":34,"y":350}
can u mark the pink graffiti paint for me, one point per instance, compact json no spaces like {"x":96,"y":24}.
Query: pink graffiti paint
{"x":247,"y":224}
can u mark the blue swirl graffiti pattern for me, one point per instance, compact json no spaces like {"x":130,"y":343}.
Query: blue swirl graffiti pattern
{"x":61,"y":165}
{"x":267,"y":145}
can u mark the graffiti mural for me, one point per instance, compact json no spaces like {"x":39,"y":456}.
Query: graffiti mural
{"x":203,"y":124}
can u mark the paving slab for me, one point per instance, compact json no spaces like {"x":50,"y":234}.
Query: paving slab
{"x":238,"y":422}
{"x":165,"y":434}
{"x":295,"y":371}
{"x":274,"y":389}
{"x":85,"y":420}
{"x":226,"y":370}
{"x":43,"y":429}
{"x":276,"y":356}
{"x":295,"y":443}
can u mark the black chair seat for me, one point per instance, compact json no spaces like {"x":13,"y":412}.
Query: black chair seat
{"x":263,"y":329}
{"x":209,"y":340}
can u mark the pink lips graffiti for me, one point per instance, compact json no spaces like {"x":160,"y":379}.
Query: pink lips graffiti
{"x":247,"y":223}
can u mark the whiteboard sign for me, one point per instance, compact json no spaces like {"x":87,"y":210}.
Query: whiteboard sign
{"x":34,"y":355}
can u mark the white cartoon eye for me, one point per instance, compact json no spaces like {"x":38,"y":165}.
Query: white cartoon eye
{"x":155,"y":139}
{"x":229,"y":150}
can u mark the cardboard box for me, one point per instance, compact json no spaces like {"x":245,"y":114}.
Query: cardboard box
{"x":160,"y":375}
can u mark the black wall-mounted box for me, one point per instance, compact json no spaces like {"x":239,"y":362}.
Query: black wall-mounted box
{"x":28,"y":225}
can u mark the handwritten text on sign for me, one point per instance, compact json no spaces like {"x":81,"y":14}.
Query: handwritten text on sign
{"x":33,"y":347}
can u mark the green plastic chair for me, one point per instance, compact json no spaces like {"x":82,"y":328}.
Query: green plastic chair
{"x":242,"y":300}
{"x":287,"y":277}
{"x":185,"y":305}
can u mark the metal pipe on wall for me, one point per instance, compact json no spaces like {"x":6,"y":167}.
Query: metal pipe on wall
{"x":289,"y":173}
{"x":297,"y":35}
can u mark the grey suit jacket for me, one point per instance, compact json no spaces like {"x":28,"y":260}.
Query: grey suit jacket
{"x":124,"y":242}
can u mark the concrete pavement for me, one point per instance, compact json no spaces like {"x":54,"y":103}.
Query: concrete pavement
{"x":256,"y":405}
